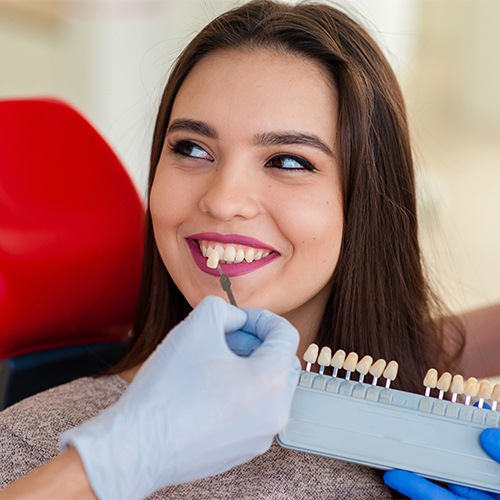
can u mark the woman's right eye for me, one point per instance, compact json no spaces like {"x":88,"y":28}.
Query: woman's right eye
{"x":190,"y":149}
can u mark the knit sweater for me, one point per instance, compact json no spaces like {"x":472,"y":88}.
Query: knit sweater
{"x":30,"y":429}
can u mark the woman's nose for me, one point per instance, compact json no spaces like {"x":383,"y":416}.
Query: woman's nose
{"x":230,"y":193}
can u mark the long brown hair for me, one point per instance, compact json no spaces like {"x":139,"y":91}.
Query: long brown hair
{"x":380,"y":302}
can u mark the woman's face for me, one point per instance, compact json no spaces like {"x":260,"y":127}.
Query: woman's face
{"x":249,"y":163}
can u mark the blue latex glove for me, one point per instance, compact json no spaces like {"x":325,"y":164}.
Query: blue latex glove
{"x":195,"y":408}
{"x":242,"y":343}
{"x":417,"y":487}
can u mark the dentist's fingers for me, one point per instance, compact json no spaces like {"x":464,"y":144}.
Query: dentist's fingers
{"x":416,"y":487}
{"x":242,"y":343}
{"x":490,"y":441}
{"x":275,"y":332}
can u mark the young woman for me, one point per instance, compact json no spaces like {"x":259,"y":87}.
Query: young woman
{"x":281,"y":140}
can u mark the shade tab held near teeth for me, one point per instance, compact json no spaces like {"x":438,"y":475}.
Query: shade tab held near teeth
{"x":213,"y":259}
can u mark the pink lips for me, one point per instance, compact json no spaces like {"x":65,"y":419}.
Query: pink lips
{"x":229,"y":269}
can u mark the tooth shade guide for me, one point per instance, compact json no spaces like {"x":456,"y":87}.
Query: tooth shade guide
{"x":471,"y":389}
{"x":324,"y":359}
{"x":213,"y":259}
{"x":484,"y":392}
{"x":350,"y":363}
{"x":430,"y":381}
{"x":377,"y":369}
{"x":443,"y":384}
{"x":390,"y":373}
{"x":457,"y":387}
{"x":363,"y":367}
{"x":495,"y":396}
{"x":310,"y":356}
{"x":337,"y":361}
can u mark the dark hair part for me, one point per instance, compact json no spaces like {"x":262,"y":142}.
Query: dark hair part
{"x":380,"y":303}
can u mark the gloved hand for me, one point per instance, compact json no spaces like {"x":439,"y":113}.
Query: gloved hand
{"x":195,"y":408}
{"x":242,"y":343}
{"x":417,"y":487}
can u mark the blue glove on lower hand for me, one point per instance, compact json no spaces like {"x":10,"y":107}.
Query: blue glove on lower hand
{"x":417,"y":487}
{"x":195,"y":408}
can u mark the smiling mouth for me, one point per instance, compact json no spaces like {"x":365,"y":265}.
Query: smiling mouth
{"x":237,"y":254}
{"x":232,"y":253}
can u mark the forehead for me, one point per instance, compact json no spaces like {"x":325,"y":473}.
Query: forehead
{"x":258,"y":86}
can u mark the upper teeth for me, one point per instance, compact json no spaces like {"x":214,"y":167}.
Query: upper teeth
{"x":230,"y":254}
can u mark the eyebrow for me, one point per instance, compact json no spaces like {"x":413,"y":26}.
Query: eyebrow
{"x":194,"y":126}
{"x":289,"y":138}
{"x":263,"y":139}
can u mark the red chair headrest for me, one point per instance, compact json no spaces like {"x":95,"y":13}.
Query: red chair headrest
{"x":71,"y":231}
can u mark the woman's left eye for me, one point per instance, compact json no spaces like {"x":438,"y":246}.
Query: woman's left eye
{"x":290,"y":162}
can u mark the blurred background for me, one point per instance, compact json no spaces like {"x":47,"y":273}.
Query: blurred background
{"x":110,"y":59}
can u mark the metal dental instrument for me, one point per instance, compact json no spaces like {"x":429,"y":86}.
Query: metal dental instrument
{"x":226,"y":285}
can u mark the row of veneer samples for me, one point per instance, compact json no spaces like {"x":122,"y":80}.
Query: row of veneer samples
{"x":470,"y":389}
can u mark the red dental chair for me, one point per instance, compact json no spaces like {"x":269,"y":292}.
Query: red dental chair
{"x":71,"y":234}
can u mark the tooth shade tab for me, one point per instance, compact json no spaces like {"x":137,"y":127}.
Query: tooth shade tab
{"x":484,"y":392}
{"x":310,"y":356}
{"x":363,"y":366}
{"x":443,"y":383}
{"x":470,"y":389}
{"x":338,"y":359}
{"x":495,"y":396}
{"x":377,"y":369}
{"x":213,"y":259}
{"x":457,"y":387}
{"x":430,"y":380}
{"x":325,"y":356}
{"x":390,"y":373}
{"x":232,"y":253}
{"x":457,"y":384}
{"x":350,"y":364}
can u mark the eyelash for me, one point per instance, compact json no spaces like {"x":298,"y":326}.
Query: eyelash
{"x":305,"y":165}
{"x":178,"y":148}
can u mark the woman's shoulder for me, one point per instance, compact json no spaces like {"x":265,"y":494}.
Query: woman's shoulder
{"x":284,"y":474}
{"x":29,"y":430}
